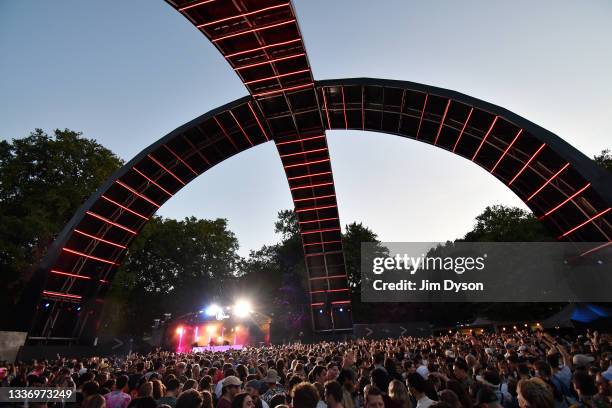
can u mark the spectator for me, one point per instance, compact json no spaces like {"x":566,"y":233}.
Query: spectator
{"x":534,"y":393}
{"x":231,"y":388}
{"x":333,"y":394}
{"x":119,"y":398}
{"x":398,"y":395}
{"x":305,"y":395}
{"x":189,"y":399}
{"x":416,"y":387}
{"x":172,"y":391}
{"x":374,"y":397}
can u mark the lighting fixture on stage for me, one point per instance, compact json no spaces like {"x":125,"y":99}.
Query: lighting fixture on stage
{"x":242,"y":308}
{"x":212,"y":310}
{"x":179,"y":330}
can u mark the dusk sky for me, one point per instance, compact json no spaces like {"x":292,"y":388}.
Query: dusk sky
{"x":128,"y":72}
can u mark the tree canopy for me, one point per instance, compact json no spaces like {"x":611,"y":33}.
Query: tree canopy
{"x":43,"y":180}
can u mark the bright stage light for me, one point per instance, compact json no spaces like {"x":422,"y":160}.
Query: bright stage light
{"x":210,"y":329}
{"x":242,"y":308}
{"x":212,"y":310}
{"x":179,"y":330}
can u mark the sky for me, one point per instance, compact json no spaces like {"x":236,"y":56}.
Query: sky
{"x":128,"y":72}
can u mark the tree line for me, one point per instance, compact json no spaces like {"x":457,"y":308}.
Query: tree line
{"x":173,"y":266}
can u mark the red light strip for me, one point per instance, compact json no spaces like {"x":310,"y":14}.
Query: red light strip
{"x":72,"y":275}
{"x":309,"y":175}
{"x":136,"y":193}
{"x":106,"y":220}
{"x":565,"y":201}
{"x":319,"y":231}
{"x":328,"y":277}
{"x":323,"y":243}
{"x":254,"y":81}
{"x":250,"y":13}
{"x":152,"y":181}
{"x":225,"y":133}
{"x":482,"y":142}
{"x":340,"y":302}
{"x":596,"y":248}
{"x":263,"y":48}
{"x":306,"y":164}
{"x":241,"y":129}
{"x":181,"y":160}
{"x":507,"y":150}
{"x":442,"y":121}
{"x":177,"y":178}
{"x":344,"y":108}
{"x":422,"y":115}
{"x":299,"y":140}
{"x":463,"y":129}
{"x":319,"y":220}
{"x":270,"y":61}
{"x":258,"y":122}
{"x":329,"y":290}
{"x":95,"y":258}
{"x":527,"y":164}
{"x":325,"y":107}
{"x":303,"y":152}
{"x":322,"y":253}
{"x":548,"y":181}
{"x":314,"y":198}
{"x":125,"y":208}
{"x":593,"y":218}
{"x":198,"y":151}
{"x":291,"y":88}
{"x":315,"y":208}
{"x":252,"y":30}
{"x":363,"y":108}
{"x":62,"y":295}
{"x":311,"y":186}
{"x":99,"y":239}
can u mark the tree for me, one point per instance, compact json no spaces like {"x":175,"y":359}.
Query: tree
{"x":43,"y":181}
{"x":354,"y":235}
{"x":499,"y":223}
{"x":604,"y":159}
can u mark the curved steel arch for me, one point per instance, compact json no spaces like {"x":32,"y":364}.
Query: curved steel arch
{"x":261,"y":41}
{"x":566,"y":190}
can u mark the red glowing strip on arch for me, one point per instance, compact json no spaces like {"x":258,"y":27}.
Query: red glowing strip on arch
{"x":181,"y":160}
{"x":507,"y":150}
{"x":258,"y":122}
{"x":463,"y":128}
{"x":241,"y":129}
{"x":422,"y":115}
{"x":442,"y":121}
{"x":322,"y":243}
{"x":303,"y":152}
{"x":95,"y":258}
{"x":316,"y":208}
{"x":100,"y":239}
{"x":484,"y":139}
{"x":253,"y":30}
{"x":270,"y":61}
{"x":280,"y":90}
{"x":250,"y":13}
{"x":71,"y":275}
{"x":527,"y":164}
{"x":177,"y":178}
{"x":306,"y":163}
{"x":61,"y":295}
{"x":593,"y":218}
{"x":150,"y":180}
{"x":319,"y":220}
{"x":312,"y":186}
{"x":564,"y":202}
{"x":106,"y":220}
{"x":125,"y":208}
{"x":320,"y":231}
{"x":263,"y":48}
{"x":315,"y":198}
{"x":548,"y":181}
{"x":254,"y":81}
{"x":136,"y":193}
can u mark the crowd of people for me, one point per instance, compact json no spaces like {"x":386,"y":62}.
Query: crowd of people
{"x":526,"y":369}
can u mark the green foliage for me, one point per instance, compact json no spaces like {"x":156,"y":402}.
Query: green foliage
{"x":355,"y":234}
{"x":604,"y":159}
{"x":43,"y":181}
{"x":499,"y":223}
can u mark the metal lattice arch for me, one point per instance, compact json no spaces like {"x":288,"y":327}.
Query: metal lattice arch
{"x":261,"y":41}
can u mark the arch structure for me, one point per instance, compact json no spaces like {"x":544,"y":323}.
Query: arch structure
{"x":261,"y":41}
